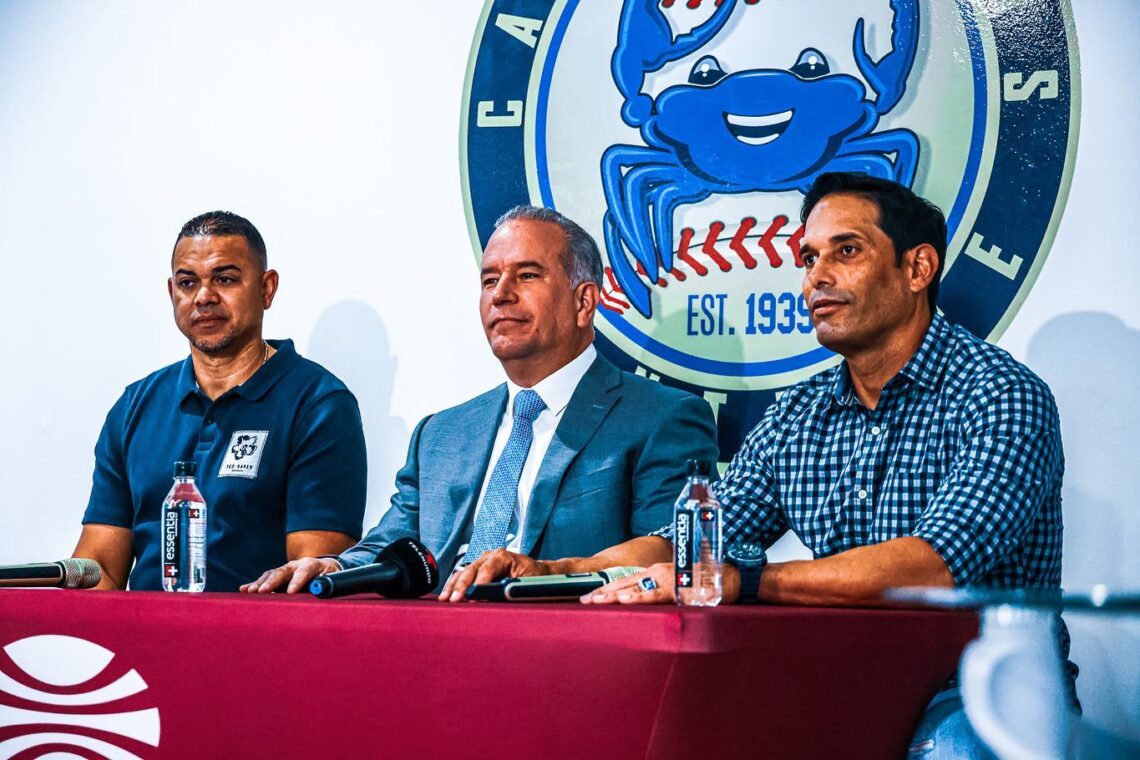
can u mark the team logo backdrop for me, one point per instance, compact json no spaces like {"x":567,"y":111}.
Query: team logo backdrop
{"x":683,"y":134}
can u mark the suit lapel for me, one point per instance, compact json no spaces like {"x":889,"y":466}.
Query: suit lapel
{"x":592,"y":400}
{"x":476,"y":428}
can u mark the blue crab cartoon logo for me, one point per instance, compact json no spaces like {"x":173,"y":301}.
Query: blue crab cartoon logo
{"x":683,"y":135}
{"x":758,"y":130}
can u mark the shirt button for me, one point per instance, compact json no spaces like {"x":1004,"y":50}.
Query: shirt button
{"x":875,"y":430}
{"x":862,"y":493}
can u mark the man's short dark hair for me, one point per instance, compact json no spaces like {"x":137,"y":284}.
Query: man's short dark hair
{"x":219,"y":223}
{"x":906,"y":218}
{"x":583,"y":261}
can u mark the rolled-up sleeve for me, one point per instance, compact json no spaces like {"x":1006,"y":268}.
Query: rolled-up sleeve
{"x":1007,"y":470}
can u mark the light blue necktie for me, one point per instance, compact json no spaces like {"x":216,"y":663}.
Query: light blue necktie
{"x":503,"y":490}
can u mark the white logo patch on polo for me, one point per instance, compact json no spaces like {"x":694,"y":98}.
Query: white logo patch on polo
{"x":243,"y":458}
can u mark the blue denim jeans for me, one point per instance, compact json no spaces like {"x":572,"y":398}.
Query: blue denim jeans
{"x":945,"y":732}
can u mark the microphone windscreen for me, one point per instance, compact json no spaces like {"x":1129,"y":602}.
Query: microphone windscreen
{"x":80,"y":573}
{"x":421,"y":572}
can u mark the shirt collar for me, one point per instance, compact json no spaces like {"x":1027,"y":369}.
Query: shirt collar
{"x":187,"y":384}
{"x":841,"y":388}
{"x":258,"y":383}
{"x":924,"y":368}
{"x":556,"y":388}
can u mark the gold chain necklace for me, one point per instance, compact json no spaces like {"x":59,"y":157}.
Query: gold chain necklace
{"x":265,"y":354}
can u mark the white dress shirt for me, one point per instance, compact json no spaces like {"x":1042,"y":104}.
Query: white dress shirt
{"x":555,"y":391}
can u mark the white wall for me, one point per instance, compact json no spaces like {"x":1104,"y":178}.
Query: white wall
{"x":335,"y":131}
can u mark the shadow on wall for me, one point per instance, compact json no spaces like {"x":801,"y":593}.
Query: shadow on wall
{"x":1091,"y":361}
{"x":351,"y":341}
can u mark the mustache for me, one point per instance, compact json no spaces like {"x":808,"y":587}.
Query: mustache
{"x":497,"y":317}
{"x":833,"y":295}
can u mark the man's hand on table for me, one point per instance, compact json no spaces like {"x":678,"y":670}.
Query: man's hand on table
{"x":629,"y":590}
{"x":488,"y":568}
{"x":297,"y":574}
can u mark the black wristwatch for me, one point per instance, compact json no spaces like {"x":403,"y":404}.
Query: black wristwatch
{"x":749,"y":560}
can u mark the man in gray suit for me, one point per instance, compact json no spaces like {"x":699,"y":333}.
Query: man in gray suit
{"x":568,"y":457}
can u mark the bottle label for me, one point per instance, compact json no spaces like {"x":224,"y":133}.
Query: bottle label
{"x":196,"y":532}
{"x":172,"y":539}
{"x":707,"y":548}
{"x":683,"y":547}
{"x":709,"y":519}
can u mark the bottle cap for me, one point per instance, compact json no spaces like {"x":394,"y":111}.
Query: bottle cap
{"x":699,"y":468}
{"x":185,"y":469}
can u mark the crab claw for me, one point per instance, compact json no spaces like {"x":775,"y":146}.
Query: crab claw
{"x":645,"y":43}
{"x":631,"y":285}
{"x":888,"y":75}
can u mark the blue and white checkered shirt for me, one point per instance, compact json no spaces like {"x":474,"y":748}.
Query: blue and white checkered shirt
{"x":962,"y":450}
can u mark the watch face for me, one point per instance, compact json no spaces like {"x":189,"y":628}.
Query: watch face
{"x":746,"y":551}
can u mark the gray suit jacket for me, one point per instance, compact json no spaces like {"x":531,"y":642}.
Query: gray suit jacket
{"x":612,"y":472}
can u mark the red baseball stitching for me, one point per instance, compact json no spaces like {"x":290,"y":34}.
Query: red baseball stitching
{"x":694,"y":4}
{"x":610,"y":299}
{"x":737,"y":244}
{"x":612,"y":296}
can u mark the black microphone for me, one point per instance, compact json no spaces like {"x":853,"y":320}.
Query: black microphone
{"x":67,"y":573}
{"x":404,"y":569}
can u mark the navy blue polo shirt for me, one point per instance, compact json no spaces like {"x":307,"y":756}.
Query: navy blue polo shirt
{"x":282,"y":452}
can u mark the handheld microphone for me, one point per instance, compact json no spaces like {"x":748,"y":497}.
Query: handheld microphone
{"x":404,"y":569}
{"x":546,"y":588}
{"x":67,"y":573}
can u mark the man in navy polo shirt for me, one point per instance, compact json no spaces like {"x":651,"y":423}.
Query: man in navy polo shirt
{"x":299,"y":487}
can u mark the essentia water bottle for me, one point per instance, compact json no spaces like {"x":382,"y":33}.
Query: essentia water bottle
{"x":184,"y":533}
{"x":697,"y":540}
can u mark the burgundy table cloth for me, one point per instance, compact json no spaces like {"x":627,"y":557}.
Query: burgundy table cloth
{"x":215,"y":675}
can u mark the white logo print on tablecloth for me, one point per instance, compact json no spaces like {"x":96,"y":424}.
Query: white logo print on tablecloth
{"x":67,"y":661}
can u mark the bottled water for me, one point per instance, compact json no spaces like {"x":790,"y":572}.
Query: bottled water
{"x":184,"y":533}
{"x":697,"y":540}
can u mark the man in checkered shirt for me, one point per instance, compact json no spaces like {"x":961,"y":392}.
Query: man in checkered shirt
{"x":928,"y":457}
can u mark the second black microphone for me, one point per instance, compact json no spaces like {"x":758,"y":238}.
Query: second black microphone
{"x":404,"y":569}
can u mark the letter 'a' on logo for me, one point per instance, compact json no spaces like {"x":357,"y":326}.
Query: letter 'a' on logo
{"x":683,"y":135}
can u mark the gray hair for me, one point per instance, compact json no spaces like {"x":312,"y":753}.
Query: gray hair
{"x":583,"y":261}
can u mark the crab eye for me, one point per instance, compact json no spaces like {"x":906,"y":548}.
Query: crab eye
{"x":706,"y":71}
{"x":811,"y":65}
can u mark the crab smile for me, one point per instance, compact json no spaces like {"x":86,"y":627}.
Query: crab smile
{"x":758,"y":130}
